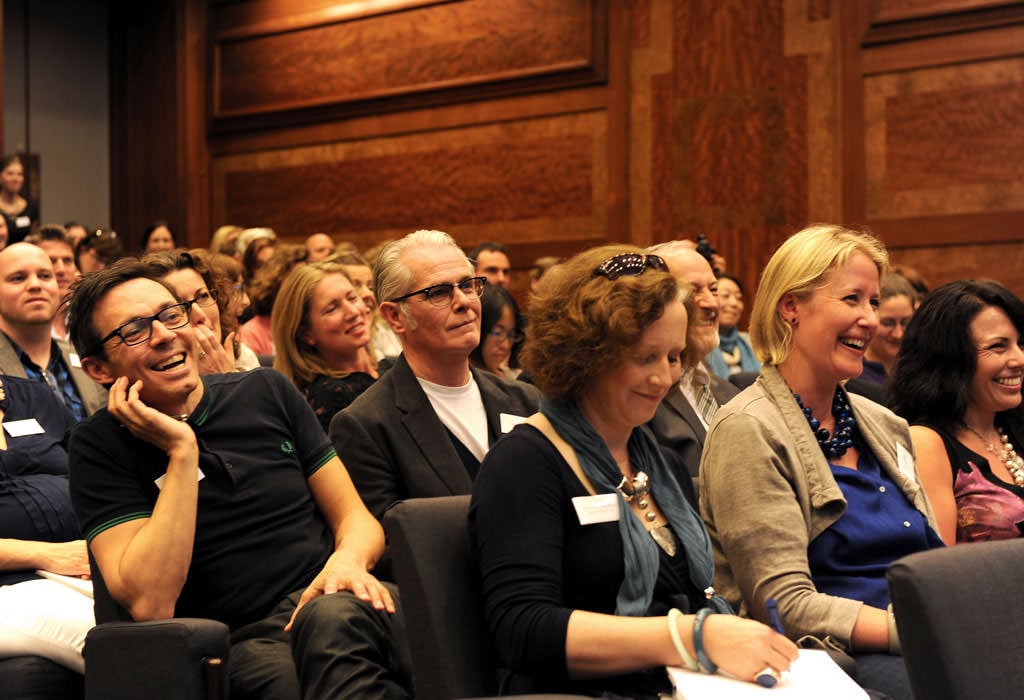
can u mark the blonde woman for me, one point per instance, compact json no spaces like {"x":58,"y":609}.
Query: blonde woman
{"x":321,"y":330}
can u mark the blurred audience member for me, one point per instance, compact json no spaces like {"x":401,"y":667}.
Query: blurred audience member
{"x":539,"y":269}
{"x":256,"y":256}
{"x":29,"y":299}
{"x":491,"y":260}
{"x":256,"y":332}
{"x":500,"y":331}
{"x":915,"y":278}
{"x":158,"y":238}
{"x":734,"y":353}
{"x":681,"y":421}
{"x":958,"y":381}
{"x":895,"y":308}
{"x":321,"y":330}
{"x":225,"y":240}
{"x":76,"y":232}
{"x":318,"y":247}
{"x":98,"y":250}
{"x":21,"y":214}
{"x":56,"y":244}
{"x":38,"y":531}
{"x":384,"y":344}
{"x":193,"y":281}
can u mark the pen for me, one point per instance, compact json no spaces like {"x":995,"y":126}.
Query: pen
{"x":768,"y":676}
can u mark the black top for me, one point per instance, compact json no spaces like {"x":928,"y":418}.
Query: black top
{"x":34,"y":500}
{"x":538,"y":564}
{"x":20,"y":225}
{"x":259,"y":534}
{"x":328,"y":395}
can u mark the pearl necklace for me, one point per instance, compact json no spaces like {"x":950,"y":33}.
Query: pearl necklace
{"x":1008,"y":455}
{"x":845,"y":430}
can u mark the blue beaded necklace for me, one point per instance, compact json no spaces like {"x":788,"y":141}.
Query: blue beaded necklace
{"x":845,"y":431}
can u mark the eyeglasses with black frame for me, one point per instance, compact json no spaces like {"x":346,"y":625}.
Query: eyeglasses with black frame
{"x":205,"y":298}
{"x":442,"y":294}
{"x":139,"y":330}
{"x":511,"y":336}
{"x":629,"y":264}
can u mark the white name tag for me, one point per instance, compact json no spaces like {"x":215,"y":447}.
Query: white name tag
{"x":509,"y":421}
{"x":22,"y":221}
{"x":905,"y":462}
{"x":29,"y":426}
{"x":602,"y":508}
{"x":76,"y":361}
{"x":161,"y":479}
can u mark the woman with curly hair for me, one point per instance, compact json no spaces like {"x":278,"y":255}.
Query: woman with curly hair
{"x":595,"y":569}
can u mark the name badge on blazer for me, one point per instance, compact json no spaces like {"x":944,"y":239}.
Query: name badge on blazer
{"x":602,"y":508}
{"x":905,"y":462}
{"x":18,"y":428}
{"x":76,"y":361}
{"x":509,"y":421}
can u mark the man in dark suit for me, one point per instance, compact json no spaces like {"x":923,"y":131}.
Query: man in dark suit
{"x":29,"y":300}
{"x":424,"y":427}
{"x":681,"y":421}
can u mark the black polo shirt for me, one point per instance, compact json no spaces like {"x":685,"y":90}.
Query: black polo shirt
{"x":259,"y":533}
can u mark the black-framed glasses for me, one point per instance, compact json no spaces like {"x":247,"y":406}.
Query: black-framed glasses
{"x":511,"y":336}
{"x":629,"y":264}
{"x":441,"y":294}
{"x":139,"y":330}
{"x":205,"y":298}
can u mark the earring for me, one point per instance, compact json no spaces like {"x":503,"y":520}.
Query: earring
{"x":793,"y":320}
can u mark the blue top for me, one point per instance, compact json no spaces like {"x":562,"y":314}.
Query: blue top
{"x":874,"y":372}
{"x":34,"y":499}
{"x":879,"y":526}
{"x":733,"y":355}
{"x":55,"y":375}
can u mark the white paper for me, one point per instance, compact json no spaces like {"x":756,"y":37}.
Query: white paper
{"x":509,"y":421}
{"x":159,"y":481}
{"x":83,"y":586}
{"x":18,"y":428}
{"x":602,"y":508}
{"x":811,"y":677}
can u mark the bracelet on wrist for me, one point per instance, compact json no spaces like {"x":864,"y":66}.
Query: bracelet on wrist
{"x":673,"y":629}
{"x":894,"y":636}
{"x":705,"y":663}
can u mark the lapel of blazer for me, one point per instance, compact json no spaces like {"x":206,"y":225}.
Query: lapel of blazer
{"x":9,"y":362}
{"x":84,"y":384}
{"x":681,"y":405}
{"x":426,"y":430}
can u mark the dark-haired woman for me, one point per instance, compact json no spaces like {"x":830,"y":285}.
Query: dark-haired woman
{"x":734,"y":353}
{"x":20,"y":213}
{"x":595,"y":569}
{"x":958,"y":381}
{"x":500,"y":332}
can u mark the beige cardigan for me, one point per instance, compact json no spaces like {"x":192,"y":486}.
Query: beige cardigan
{"x":767,"y":491}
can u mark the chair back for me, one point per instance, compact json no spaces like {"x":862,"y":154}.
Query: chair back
{"x":960,"y":620}
{"x":449,"y":642}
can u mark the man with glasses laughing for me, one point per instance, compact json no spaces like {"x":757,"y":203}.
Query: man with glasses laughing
{"x":424,"y":427}
{"x":220,"y":497}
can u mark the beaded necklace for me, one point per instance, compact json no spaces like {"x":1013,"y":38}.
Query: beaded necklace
{"x":836,"y":445}
{"x":1008,"y":455}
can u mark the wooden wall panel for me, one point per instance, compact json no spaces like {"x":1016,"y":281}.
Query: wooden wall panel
{"x":429,"y":54}
{"x":733,"y":124}
{"x":530,"y":183}
{"x":943,"y":136}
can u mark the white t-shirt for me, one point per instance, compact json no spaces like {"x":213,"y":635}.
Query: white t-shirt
{"x":461,"y":409}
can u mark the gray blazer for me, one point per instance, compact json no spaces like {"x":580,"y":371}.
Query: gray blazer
{"x":395,"y":447}
{"x":94,"y":396}
{"x":677,"y":426}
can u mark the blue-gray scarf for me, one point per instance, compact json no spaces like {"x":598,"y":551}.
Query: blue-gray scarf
{"x":639,"y":548}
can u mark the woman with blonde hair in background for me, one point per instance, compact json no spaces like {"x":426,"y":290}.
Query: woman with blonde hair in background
{"x":321,"y":330}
